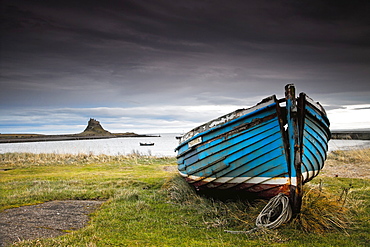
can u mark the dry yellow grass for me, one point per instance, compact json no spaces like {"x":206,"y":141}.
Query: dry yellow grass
{"x":323,"y":211}
{"x":10,"y":160}
{"x":348,"y":164}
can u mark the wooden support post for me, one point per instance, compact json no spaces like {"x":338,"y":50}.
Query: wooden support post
{"x":294,"y":150}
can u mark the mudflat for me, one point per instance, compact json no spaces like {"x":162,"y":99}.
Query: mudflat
{"x":46,"y":220}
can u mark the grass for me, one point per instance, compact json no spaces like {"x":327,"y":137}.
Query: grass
{"x":148,"y":204}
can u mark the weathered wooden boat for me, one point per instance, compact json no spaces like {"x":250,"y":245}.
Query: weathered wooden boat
{"x":146,"y":144}
{"x":274,"y":147}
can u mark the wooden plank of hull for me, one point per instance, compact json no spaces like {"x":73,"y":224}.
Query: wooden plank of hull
{"x":237,"y":154}
{"x":226,"y":119}
{"x":236,"y":148}
{"x":314,"y":139}
{"x":248,"y":190}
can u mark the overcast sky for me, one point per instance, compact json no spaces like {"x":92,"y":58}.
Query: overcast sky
{"x":168,"y":66}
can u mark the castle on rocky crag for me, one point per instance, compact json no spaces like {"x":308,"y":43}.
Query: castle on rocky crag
{"x":94,"y":127}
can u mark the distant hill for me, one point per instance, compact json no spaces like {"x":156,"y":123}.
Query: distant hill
{"x":94,"y":128}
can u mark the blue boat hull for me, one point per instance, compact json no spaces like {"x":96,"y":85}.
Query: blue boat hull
{"x":260,"y":151}
{"x":315,"y":136}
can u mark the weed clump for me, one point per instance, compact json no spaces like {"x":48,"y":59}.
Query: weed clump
{"x":214,"y":213}
{"x":323,"y":211}
{"x":357,"y":156}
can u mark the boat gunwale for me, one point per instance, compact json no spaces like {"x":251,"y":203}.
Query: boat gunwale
{"x":242,"y":132}
{"x":238,"y":129}
{"x":317,"y":110}
{"x":250,"y":112}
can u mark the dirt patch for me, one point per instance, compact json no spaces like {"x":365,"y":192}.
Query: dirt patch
{"x":46,"y":220}
{"x":170,"y":168}
{"x":333,"y":168}
{"x":348,"y":164}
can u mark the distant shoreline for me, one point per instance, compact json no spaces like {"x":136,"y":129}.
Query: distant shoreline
{"x":350,"y":135}
{"x":18,"y":138}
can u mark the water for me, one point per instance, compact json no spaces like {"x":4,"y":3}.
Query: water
{"x":348,"y":144}
{"x":164,"y":146}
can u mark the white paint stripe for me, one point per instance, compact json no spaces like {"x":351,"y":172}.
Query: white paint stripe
{"x":183,"y":174}
{"x":309,"y":174}
{"x":253,"y":180}
{"x":262,"y":180}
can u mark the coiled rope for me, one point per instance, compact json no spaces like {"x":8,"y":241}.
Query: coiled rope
{"x":274,"y":214}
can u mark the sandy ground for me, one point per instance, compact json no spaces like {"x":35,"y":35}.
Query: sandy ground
{"x":346,"y":170}
{"x":46,"y":220}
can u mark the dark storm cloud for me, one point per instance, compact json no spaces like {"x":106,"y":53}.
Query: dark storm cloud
{"x":91,"y":54}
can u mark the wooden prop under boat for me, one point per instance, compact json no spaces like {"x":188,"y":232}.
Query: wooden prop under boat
{"x":274,"y":147}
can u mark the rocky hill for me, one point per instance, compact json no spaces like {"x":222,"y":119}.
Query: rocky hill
{"x":94,"y":128}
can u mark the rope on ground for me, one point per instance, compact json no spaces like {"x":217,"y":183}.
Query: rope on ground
{"x":274,"y":214}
